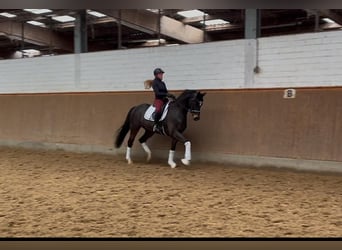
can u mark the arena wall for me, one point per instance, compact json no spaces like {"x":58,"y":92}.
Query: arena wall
{"x":235,"y":122}
{"x":312,"y":59}
{"x":81,"y":100}
{"x":303,"y":60}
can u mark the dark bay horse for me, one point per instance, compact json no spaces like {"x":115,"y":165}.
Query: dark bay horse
{"x":174,"y":125}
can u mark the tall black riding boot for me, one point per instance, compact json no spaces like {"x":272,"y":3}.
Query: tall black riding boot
{"x":157,"y":124}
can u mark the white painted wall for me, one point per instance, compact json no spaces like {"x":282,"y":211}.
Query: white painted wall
{"x":312,"y":59}
{"x":201,"y":66}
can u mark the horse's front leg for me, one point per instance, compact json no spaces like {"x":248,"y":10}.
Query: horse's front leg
{"x":187,"y":155}
{"x":170,"y":161}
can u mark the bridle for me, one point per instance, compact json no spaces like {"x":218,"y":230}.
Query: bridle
{"x":195,"y":111}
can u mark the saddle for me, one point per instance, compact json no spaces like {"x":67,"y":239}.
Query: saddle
{"x":150,"y":112}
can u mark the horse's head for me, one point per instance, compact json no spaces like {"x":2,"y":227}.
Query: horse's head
{"x":195,"y":104}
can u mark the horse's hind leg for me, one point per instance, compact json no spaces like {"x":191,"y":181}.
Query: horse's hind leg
{"x":143,"y":140}
{"x":130,"y":144}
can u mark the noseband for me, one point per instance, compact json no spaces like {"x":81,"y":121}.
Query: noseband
{"x":194,"y":111}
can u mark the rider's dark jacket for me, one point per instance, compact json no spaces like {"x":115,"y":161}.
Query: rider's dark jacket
{"x":159,"y":89}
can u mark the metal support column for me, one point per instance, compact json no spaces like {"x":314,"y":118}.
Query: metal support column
{"x":22,"y":44}
{"x":119,"y":24}
{"x":252,"y":23}
{"x":204,"y":29}
{"x":80,"y":32}
{"x":317,"y":16}
{"x":252,"y":32}
{"x":159,"y":26}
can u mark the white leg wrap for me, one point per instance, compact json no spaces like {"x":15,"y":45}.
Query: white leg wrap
{"x":128,"y":155}
{"x":171,"y":161}
{"x":187,"y":156}
{"x":147,"y":150}
{"x":187,"y":150}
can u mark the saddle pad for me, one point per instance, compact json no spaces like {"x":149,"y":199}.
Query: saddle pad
{"x":149,"y":113}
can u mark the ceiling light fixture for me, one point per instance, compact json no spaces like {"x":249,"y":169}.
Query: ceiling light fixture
{"x":63,"y":19}
{"x":35,"y":23}
{"x":215,"y":22}
{"x":328,"y":20}
{"x":95,"y":13}
{"x":38,"y":11}
{"x":6,"y":14}
{"x":191,"y":13}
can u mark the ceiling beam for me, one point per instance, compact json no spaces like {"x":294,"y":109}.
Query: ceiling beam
{"x":183,"y":32}
{"x":147,"y":22}
{"x":35,"y":35}
{"x":228,"y":27}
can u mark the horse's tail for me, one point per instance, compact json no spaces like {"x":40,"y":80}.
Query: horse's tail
{"x":122,"y":132}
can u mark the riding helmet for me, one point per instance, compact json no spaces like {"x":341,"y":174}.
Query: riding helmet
{"x":158,"y":71}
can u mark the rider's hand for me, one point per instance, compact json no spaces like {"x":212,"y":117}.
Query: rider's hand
{"x":171,"y":96}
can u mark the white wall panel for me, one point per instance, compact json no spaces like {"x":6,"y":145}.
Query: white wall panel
{"x":312,"y":59}
{"x":300,"y":60}
{"x":201,"y":66}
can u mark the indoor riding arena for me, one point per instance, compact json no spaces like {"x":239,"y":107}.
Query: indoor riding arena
{"x":266,"y":154}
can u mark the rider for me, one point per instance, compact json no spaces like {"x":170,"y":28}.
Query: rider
{"x":161,"y":94}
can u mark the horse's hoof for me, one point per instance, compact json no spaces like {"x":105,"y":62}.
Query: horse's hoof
{"x":185,"y":162}
{"x":172,"y":164}
{"x":129,"y":161}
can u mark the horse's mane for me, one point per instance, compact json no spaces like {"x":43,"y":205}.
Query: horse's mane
{"x":186,"y":93}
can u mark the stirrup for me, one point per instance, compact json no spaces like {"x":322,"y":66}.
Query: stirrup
{"x":157,"y":128}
